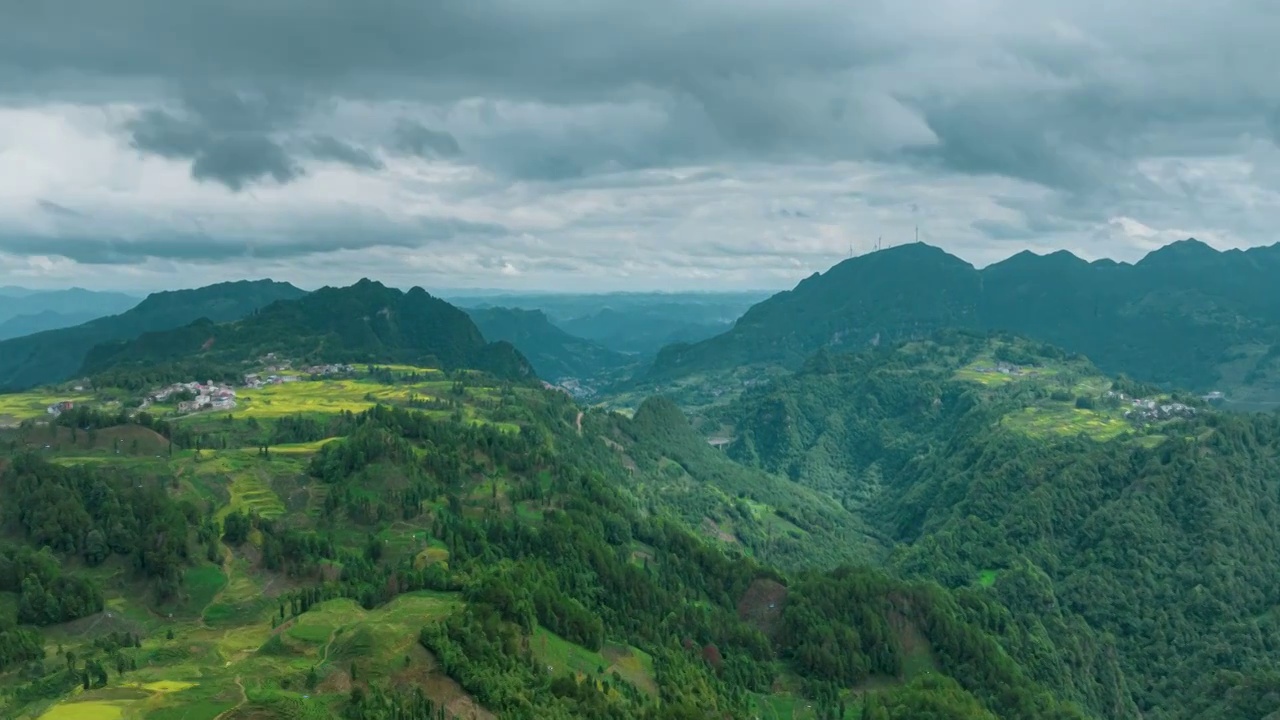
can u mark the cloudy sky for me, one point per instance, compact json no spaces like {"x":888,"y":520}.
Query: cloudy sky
{"x":669,"y":144}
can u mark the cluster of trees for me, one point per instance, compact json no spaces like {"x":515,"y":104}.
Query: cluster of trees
{"x":18,"y":645}
{"x":489,"y":656}
{"x":46,"y":595}
{"x":93,"y":513}
{"x":379,"y":704}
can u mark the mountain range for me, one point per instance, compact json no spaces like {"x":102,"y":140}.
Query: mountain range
{"x":366,"y":322}
{"x":922,"y":514}
{"x":56,"y":355}
{"x":631,"y":323}
{"x":1186,"y":315}
{"x":23,"y":311}
{"x":554,"y":353}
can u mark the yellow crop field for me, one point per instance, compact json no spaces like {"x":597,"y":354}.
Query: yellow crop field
{"x":321,"y":396}
{"x":16,"y":407}
{"x":89,"y":710}
{"x":307,"y":448}
{"x":124,"y":701}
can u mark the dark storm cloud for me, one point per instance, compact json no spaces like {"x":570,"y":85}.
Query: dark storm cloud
{"x":306,"y":239}
{"x":414,"y":138}
{"x":232,"y":157}
{"x":158,"y":132}
{"x":237,"y":160}
{"x":330,"y":148}
{"x":1055,"y":93}
{"x":1018,"y":142}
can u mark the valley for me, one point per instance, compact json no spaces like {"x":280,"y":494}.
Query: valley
{"x":385,"y":514}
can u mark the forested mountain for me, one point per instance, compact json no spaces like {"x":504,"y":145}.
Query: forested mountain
{"x":1186,"y":315}
{"x":366,"y":322}
{"x":73,"y":302}
{"x":56,"y":355}
{"x":554,"y":353}
{"x":1129,"y":544}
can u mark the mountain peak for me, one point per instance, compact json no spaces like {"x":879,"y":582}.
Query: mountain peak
{"x":1030,"y":261}
{"x":909,"y":257}
{"x":1189,"y":250}
{"x":364,"y":322}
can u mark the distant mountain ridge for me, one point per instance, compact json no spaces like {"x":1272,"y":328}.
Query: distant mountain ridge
{"x":32,"y":323}
{"x":554,"y":353}
{"x":57,"y":355}
{"x":365,"y":322}
{"x":74,"y":304}
{"x":1185,"y":315}
{"x":638,"y":324}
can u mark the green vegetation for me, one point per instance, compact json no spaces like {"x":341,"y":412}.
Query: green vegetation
{"x":57,"y":355}
{"x":407,"y":560}
{"x":366,"y":322}
{"x":1032,"y":487}
{"x":964,"y":526}
{"x":1185,"y":316}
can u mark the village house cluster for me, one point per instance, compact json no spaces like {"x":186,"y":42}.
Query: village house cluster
{"x":332,"y":369}
{"x":256,"y":381}
{"x":207,"y":396}
{"x":1144,"y":410}
{"x":1003,"y":368}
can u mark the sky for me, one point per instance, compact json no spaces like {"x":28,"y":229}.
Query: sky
{"x":608,"y":145}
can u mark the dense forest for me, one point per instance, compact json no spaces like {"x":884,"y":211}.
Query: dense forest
{"x":1135,"y":569}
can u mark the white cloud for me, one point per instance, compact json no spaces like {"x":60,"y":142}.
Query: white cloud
{"x":685,"y":144}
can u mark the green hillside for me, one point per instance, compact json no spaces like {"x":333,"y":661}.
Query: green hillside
{"x":963,"y":526}
{"x":366,"y":322}
{"x":477,"y":548}
{"x":1129,"y":545}
{"x":56,"y":355}
{"x":1185,"y":316}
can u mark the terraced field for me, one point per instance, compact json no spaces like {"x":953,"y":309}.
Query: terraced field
{"x":250,"y":492}
{"x":1063,"y":419}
